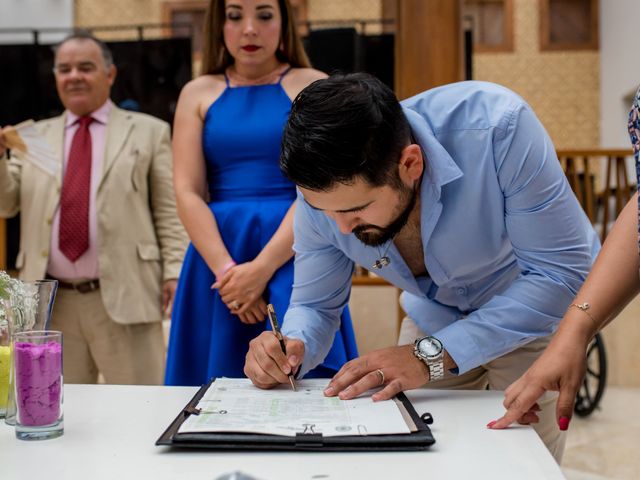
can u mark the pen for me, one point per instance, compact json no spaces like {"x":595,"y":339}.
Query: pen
{"x":276,"y":329}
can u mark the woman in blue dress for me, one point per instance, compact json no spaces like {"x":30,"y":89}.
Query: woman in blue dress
{"x":234,"y":202}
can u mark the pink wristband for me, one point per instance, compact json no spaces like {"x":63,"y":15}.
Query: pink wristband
{"x":228,"y":266}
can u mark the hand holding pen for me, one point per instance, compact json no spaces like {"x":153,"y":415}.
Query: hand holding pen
{"x":276,"y":330}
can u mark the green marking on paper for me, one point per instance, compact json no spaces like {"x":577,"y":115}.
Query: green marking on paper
{"x":273,"y":411}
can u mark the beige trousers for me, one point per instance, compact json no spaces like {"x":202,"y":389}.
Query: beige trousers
{"x":93,"y":343}
{"x":498,"y":374}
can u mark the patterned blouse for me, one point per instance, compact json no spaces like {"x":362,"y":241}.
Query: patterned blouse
{"x":634,"y":133}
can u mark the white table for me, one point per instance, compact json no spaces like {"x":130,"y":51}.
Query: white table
{"x":110,"y":432}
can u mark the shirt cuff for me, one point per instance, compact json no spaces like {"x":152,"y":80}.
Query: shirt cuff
{"x":460,"y":346}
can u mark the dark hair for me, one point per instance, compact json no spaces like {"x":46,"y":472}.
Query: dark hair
{"x":215,"y":56}
{"x":342,"y":128}
{"x":87,"y":35}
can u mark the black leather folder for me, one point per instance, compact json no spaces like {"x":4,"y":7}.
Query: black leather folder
{"x":420,"y":439}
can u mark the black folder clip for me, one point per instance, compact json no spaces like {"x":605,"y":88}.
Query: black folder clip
{"x":309,"y":440}
{"x":426,"y":418}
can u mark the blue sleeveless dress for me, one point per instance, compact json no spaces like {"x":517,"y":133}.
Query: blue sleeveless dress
{"x":249,"y":197}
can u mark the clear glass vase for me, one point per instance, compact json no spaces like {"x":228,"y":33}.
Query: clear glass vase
{"x":29,"y":308}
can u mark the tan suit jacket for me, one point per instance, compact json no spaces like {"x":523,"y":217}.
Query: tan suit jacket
{"x":141,"y":240}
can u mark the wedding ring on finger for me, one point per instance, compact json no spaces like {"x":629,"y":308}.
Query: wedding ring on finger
{"x":235,"y":305}
{"x":381,"y":375}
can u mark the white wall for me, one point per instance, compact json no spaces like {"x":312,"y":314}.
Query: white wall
{"x":619,"y":68}
{"x":34,"y":14}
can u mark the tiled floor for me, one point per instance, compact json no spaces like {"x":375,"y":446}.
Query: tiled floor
{"x":606,"y":445}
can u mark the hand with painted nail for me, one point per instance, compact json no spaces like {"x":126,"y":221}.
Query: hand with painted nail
{"x":266,"y":365}
{"x":609,"y":287}
{"x":527,"y":418}
{"x":560,"y":368}
{"x":395,"y":368}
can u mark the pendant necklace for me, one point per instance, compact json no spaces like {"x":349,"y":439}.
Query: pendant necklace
{"x":384,"y":260}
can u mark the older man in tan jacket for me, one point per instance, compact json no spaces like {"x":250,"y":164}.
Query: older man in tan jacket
{"x":105,"y":225}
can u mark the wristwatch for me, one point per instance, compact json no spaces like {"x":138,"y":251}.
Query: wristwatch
{"x":430,"y":351}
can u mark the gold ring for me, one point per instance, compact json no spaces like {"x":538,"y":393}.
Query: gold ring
{"x":235,"y":305}
{"x":381,"y":375}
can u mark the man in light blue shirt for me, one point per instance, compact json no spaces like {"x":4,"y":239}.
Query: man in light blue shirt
{"x":456,"y":197}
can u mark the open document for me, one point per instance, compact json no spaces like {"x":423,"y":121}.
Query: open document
{"x":236,"y":405}
{"x":33,"y":146}
{"x":232,"y":414}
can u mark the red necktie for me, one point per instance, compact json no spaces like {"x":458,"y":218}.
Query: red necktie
{"x":75,"y":197}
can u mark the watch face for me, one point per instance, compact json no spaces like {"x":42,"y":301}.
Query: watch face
{"x":430,"y":346}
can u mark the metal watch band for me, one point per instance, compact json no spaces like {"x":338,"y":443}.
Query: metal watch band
{"x":436,"y":370}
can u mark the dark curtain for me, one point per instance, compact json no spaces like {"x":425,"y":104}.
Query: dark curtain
{"x":344,"y":50}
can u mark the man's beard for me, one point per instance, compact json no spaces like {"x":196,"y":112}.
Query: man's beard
{"x":375,"y":236}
